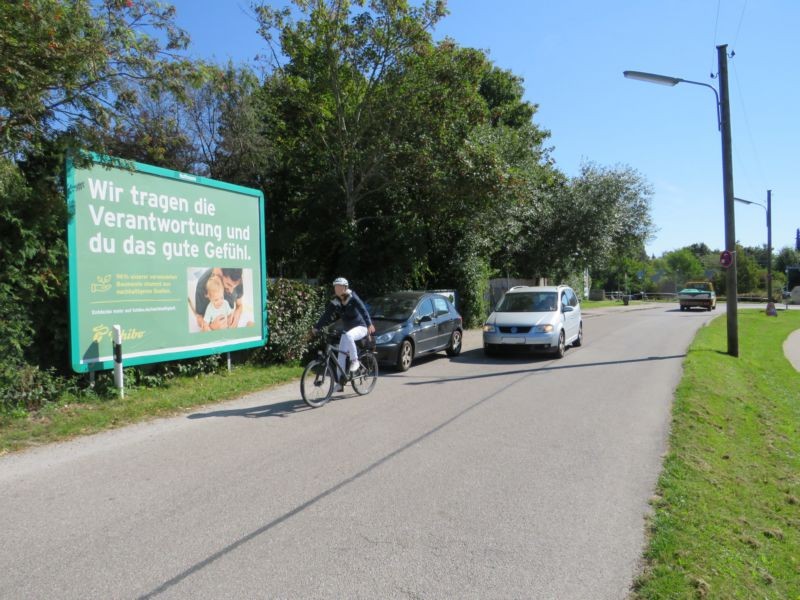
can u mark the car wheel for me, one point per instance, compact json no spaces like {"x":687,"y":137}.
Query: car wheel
{"x":562,"y":345}
{"x":454,"y":349}
{"x":579,"y":341}
{"x":405,"y":356}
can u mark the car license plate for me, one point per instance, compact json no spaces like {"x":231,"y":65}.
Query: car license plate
{"x":513,"y":340}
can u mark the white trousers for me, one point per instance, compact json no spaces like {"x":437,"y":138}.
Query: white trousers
{"x":347,"y":344}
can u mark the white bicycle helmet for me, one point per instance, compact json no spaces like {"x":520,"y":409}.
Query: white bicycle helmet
{"x":341,"y":281}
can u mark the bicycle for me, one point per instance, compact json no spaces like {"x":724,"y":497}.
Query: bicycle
{"x":324,"y":371}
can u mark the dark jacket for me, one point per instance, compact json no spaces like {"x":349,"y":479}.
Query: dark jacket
{"x":352,"y":313}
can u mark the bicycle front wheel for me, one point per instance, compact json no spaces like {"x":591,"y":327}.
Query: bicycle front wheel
{"x":367,"y":375}
{"x":316,"y":386}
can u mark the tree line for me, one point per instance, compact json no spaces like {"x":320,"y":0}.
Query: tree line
{"x":697,"y":262}
{"x":385,"y":156}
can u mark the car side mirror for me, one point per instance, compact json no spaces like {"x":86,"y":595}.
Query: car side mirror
{"x":424,"y":319}
{"x":567,"y":308}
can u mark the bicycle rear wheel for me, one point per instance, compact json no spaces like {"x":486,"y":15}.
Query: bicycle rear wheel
{"x":316,"y":386}
{"x":367,"y":375}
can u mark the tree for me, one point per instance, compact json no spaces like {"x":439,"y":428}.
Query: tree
{"x":595,"y":219}
{"x":429,"y":136}
{"x":338,"y":61}
{"x":454,"y":158}
{"x":747,"y":271}
{"x":156,"y":131}
{"x":683,"y":266}
{"x":699,"y":250}
{"x":747,"y":274}
{"x":71,"y":65}
{"x":68,"y":70}
{"x":788,"y":262}
{"x":787,"y":257}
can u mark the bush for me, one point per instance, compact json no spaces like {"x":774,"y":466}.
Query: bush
{"x":28,"y":388}
{"x":293,"y":309}
{"x":473,"y":282}
{"x":33,"y":264}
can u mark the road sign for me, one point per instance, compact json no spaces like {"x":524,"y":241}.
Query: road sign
{"x":725,"y":258}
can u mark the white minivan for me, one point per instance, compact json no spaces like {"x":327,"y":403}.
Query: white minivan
{"x":542,"y":318}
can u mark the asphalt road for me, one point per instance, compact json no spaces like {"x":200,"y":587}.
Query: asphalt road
{"x":511,"y":477}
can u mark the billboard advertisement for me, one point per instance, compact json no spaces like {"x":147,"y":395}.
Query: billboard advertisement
{"x":178,"y":261}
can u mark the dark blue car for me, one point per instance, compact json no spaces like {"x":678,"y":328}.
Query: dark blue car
{"x":411,"y":324}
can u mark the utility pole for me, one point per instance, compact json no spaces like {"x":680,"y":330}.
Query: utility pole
{"x":727,"y":186}
{"x":769,"y":246}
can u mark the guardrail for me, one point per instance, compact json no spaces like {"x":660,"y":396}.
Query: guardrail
{"x":621,"y":296}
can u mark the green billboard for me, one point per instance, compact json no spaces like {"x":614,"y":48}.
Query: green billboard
{"x":176,"y":260}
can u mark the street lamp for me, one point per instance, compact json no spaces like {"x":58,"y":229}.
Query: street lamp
{"x":724,"y":125}
{"x":767,"y":208}
{"x":672,"y":81}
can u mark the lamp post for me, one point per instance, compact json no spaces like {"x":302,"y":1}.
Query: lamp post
{"x":767,"y":208}
{"x":724,"y":125}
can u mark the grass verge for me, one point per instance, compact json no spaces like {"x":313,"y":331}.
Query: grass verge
{"x":726,"y":520}
{"x":72,"y":416}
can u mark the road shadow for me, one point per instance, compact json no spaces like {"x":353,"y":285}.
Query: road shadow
{"x":475,"y":356}
{"x":388,"y":370}
{"x":279,"y":409}
{"x":511,"y":356}
{"x":548,"y":364}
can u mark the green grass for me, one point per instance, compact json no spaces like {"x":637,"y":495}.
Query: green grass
{"x":726,"y":520}
{"x":72,"y":416}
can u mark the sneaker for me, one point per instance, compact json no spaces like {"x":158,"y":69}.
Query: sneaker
{"x":338,"y":388}
{"x":355,"y":366}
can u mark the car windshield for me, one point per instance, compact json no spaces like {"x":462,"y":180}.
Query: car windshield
{"x":528,"y":302}
{"x":391,"y":308}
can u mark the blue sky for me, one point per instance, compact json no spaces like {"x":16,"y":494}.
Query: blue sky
{"x":571,"y":55}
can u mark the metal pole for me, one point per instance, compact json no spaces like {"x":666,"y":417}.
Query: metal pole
{"x":769,"y":245}
{"x":118,"y":377}
{"x":727,"y":185}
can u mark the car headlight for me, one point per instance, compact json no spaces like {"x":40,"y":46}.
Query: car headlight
{"x":543,"y":329}
{"x":384,"y":338}
{"x":487,"y":328}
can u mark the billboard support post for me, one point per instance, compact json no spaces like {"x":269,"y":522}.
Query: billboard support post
{"x":118,"y":376}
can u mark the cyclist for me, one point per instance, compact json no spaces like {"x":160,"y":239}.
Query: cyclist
{"x":357,"y":325}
